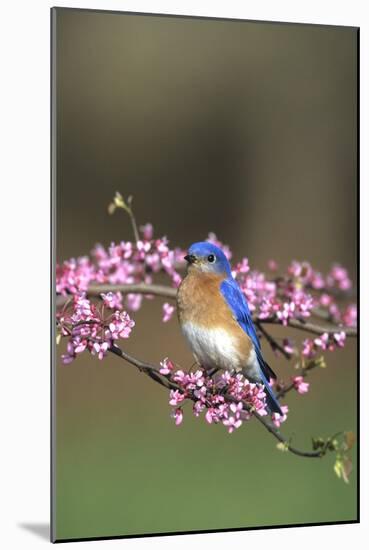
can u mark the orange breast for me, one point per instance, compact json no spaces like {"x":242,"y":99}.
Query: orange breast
{"x":200,"y":302}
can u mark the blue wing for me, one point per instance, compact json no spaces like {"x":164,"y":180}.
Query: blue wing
{"x":238,"y":304}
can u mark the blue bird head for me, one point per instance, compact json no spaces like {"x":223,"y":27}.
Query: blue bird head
{"x":207,"y":257}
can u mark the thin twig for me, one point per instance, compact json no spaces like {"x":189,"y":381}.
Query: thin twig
{"x":119,"y":202}
{"x":148,"y":369}
{"x":312,"y":365}
{"x":313,"y":328}
{"x":273,"y":343}
{"x":129,"y":210}
{"x":277,"y":434}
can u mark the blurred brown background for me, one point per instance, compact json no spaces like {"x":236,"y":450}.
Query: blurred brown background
{"x":245,"y":129}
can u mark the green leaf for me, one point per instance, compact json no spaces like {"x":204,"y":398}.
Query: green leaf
{"x":349,"y":440}
{"x":343,"y":467}
{"x":320,"y":362}
{"x":282,"y":446}
{"x":346,"y":468}
{"x":111,"y":208}
{"x":332,"y":444}
{"x":338,"y":467}
{"x":318,"y":443}
{"x":119,"y":201}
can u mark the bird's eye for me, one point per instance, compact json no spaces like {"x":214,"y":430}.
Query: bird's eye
{"x":211,"y":258}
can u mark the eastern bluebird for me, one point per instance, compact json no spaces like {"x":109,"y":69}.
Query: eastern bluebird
{"x":216,"y":320}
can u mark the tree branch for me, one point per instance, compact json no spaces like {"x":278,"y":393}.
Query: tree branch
{"x":169,"y":292}
{"x":277,"y":434}
{"x":153,"y":373}
{"x":148,"y":369}
{"x":139,"y":288}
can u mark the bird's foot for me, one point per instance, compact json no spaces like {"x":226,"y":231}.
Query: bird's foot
{"x":211,"y":372}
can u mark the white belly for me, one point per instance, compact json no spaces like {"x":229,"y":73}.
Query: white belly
{"x":212,"y":347}
{"x":252,"y":368}
{"x":217,"y":348}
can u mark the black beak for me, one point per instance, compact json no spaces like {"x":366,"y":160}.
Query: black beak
{"x":190,"y":258}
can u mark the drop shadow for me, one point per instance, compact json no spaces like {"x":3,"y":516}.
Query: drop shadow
{"x":42,"y":530}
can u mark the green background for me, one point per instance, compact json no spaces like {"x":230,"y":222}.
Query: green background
{"x":245,"y":129}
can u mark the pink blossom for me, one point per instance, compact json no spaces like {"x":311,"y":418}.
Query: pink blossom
{"x":267,"y":309}
{"x":168,"y":311}
{"x":301,"y":270}
{"x":166,"y":366}
{"x":338,"y":276}
{"x":300,"y":385}
{"x":83,"y":309}
{"x":317,"y":280}
{"x":79,"y":344}
{"x":147,"y":231}
{"x":277,"y":418}
{"x":100,"y":349}
{"x":70,"y":355}
{"x":234,"y":421}
{"x":121,"y":263}
{"x":74,"y":275}
{"x":112,"y":300}
{"x":143,"y":247}
{"x":236,"y":408}
{"x":340,"y":338}
{"x":176,"y":397}
{"x":195,"y":379}
{"x":243,"y":266}
{"x":198,"y":408}
{"x":121,"y":325}
{"x":153,"y":262}
{"x":226,"y":377}
{"x":326,"y":299}
{"x":162,"y":246}
{"x":211,"y":415}
{"x":89,"y":328}
{"x":272,"y":265}
{"x":303,"y":303}
{"x":180,"y":376}
{"x":286,"y":312}
{"x":322,"y":341}
{"x":308,"y":349}
{"x":208,"y":395}
{"x":176,"y":279}
{"x":134,"y":301}
{"x":178,"y":416}
{"x":294,"y":268}
{"x":288,"y":346}
{"x":126,"y":250}
{"x":349,"y":316}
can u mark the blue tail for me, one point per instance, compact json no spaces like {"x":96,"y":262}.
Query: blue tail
{"x":271,"y":400}
{"x":266,"y":374}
